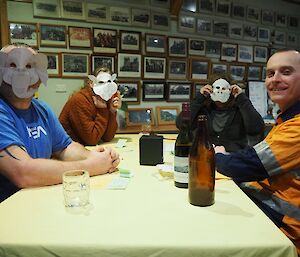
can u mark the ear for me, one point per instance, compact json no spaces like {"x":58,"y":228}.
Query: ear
{"x":113,"y":77}
{"x":41,"y":61}
{"x":3,"y":59}
{"x":92,"y":78}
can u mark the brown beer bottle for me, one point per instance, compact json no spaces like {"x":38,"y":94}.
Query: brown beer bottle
{"x":182,"y":148}
{"x":202,"y":167}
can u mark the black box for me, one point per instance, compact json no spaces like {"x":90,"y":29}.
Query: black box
{"x":151,"y":150}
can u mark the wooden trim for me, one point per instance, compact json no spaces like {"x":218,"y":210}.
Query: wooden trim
{"x":4,"y":36}
{"x":175,"y":7}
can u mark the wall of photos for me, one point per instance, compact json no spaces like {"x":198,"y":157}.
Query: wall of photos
{"x":160,"y":60}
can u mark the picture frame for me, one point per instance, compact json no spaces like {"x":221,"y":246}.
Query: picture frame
{"x":104,"y":40}
{"x":223,"y":8}
{"x":179,"y":91}
{"x":75,"y":65}
{"x":245,"y":53}
{"x":107,"y":61}
{"x":263,"y":73}
{"x":160,"y":21}
{"x":186,"y":24}
{"x":161,"y":3}
{"x":155,"y":43}
{"x":254,"y":72}
{"x":196,"y":46}
{"x":238,"y":11}
{"x":204,"y":26}
{"x":129,"y":65}
{"x":199,"y":68}
{"x":253,"y":14}
{"x":250,"y":32}
{"x":73,"y":9}
{"x":54,"y":64}
{"x":207,"y":6}
{"x":196,"y":88}
{"x":139,"y":116}
{"x":154,"y":90}
{"x":280,"y":37}
{"x":267,"y":17}
{"x":237,"y":71}
{"x":130,"y":41}
{"x":221,"y":28}
{"x":293,"y":22}
{"x":280,"y":20}
{"x":120,"y":15}
{"x":45,"y":8}
{"x":228,"y":52}
{"x":189,"y":5}
{"x":291,"y":39}
{"x":130,"y":91}
{"x":154,"y":67}
{"x":23,"y":33}
{"x":166,"y":115}
{"x":260,"y":54}
{"x":263,"y":35}
{"x":236,"y":30}
{"x":140,"y":17}
{"x":97,"y":12}
{"x":79,"y":37}
{"x":177,"y":69}
{"x":53,"y":35}
{"x":213,"y":48}
{"x":218,"y":69}
{"x":177,"y":47}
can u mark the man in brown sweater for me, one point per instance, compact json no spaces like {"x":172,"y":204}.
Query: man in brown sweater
{"x":87,"y":117}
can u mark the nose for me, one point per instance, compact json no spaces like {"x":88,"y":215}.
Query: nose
{"x":276,"y":76}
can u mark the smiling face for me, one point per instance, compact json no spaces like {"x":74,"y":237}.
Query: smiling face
{"x":283,"y":78}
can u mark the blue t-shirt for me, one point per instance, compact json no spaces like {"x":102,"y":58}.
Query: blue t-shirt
{"x":37,"y":130}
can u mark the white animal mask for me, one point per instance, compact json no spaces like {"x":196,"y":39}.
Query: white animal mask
{"x":21,"y":68}
{"x":221,"y":91}
{"x":104,"y":85}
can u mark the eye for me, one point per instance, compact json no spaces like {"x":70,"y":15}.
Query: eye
{"x":28,"y":66}
{"x":13,"y":65}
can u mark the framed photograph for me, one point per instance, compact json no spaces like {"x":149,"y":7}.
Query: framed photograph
{"x":199,"y":69}
{"x":130,"y":41}
{"x":155,"y":44}
{"x":204,"y":26}
{"x":75,"y":65}
{"x":80,"y":37}
{"x":280,"y":37}
{"x":130,"y":91}
{"x":177,"y":46}
{"x":140,"y":17}
{"x":104,"y":41}
{"x":139,"y":116}
{"x":263,"y":73}
{"x":196,"y":88}
{"x":120,"y":15}
{"x":260,"y":54}
{"x":54,"y":64}
{"x":221,"y":28}
{"x":107,"y":61}
{"x":245,"y":53}
{"x":280,"y":20}
{"x":177,"y":69}
{"x":238,"y":11}
{"x":160,"y":21}
{"x":97,"y":12}
{"x":254,"y":72}
{"x":213,"y":48}
{"x":24,"y":33}
{"x":189,"y":5}
{"x":186,"y":24}
{"x":236,"y":30}
{"x":267,"y":17}
{"x":45,"y":8}
{"x":166,"y":115}
{"x":218,"y":69}
{"x":207,"y":6}
{"x":53,"y":35}
{"x":73,"y":9}
{"x":154,"y":67}
{"x":250,"y":32}
{"x":263,"y":35}
{"x":293,"y":22}
{"x":253,"y":14}
{"x":223,"y":7}
{"x":237,"y":72}
{"x":154,"y":90}
{"x":129,"y":65}
{"x":228,"y":52}
{"x":179,"y":91}
{"x":291,"y":39}
{"x":196,"y":46}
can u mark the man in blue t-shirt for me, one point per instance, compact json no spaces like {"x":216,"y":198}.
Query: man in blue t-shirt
{"x":31,"y":134}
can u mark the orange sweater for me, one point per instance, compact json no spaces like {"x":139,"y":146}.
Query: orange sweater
{"x":84,"y":122}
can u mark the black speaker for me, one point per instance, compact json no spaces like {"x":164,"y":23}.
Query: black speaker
{"x":151,"y":150}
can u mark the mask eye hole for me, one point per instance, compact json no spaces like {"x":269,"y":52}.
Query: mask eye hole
{"x":28,"y":66}
{"x":13,"y":65}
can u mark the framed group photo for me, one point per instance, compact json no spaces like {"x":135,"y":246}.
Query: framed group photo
{"x":129,"y":65}
{"x":154,"y":67}
{"x":166,"y":115}
{"x":179,"y":91}
{"x":45,"y":8}
{"x":238,"y":72}
{"x":130,"y":91}
{"x":196,"y":46}
{"x":154,"y":90}
{"x":130,"y":41}
{"x":104,"y":41}
{"x":54,"y":64}
{"x":24,"y":33}
{"x":177,"y":47}
{"x":199,"y":69}
{"x":140,"y":17}
{"x":228,"y":52}
{"x":75,"y":65}
{"x":53,"y":35}
{"x":160,"y":21}
{"x":103,"y":61}
{"x":177,"y":69}
{"x":97,"y":12}
{"x":156,"y":44}
{"x":73,"y":9}
{"x":79,"y":37}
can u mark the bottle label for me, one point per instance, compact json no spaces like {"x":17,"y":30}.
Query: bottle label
{"x":181,"y":169}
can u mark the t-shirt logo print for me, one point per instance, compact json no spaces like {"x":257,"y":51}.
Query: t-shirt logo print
{"x":35,"y":132}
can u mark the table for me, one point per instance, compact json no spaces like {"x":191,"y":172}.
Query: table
{"x":151,"y":217}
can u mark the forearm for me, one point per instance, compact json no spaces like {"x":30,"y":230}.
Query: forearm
{"x":111,"y":128}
